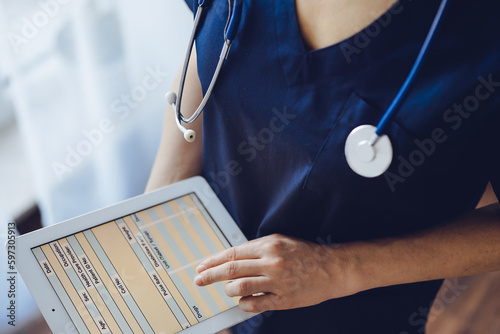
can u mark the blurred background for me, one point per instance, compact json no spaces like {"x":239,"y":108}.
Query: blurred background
{"x":81,"y":109}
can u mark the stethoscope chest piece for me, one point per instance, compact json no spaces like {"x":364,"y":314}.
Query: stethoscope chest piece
{"x":366,"y":153}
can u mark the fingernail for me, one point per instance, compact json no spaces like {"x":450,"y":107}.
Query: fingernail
{"x":200,"y":268}
{"x":198,"y":280}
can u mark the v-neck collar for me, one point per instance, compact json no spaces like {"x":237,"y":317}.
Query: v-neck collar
{"x":348,"y":57}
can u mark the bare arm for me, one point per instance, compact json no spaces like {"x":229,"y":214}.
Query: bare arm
{"x":467,"y":246}
{"x":176,"y":158}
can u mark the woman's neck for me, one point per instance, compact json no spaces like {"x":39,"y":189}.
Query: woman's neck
{"x":326,"y":22}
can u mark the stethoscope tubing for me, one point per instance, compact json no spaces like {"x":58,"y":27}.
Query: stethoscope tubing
{"x":405,"y":88}
{"x":187,"y":58}
{"x":379,"y":145}
{"x":229,"y":35}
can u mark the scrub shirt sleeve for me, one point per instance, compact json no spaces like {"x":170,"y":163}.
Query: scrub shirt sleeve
{"x":191,"y":4}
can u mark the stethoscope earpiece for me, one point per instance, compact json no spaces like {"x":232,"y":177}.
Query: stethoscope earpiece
{"x":171,"y":98}
{"x":190,"y":136}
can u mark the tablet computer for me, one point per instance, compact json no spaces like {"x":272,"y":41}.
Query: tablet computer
{"x":129,"y":268}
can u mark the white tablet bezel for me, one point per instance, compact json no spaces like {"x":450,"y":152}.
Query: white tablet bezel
{"x":45,"y":296}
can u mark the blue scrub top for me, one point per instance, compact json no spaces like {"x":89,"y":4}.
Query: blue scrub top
{"x":276,"y":124}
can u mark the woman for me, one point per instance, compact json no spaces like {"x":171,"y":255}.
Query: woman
{"x":333,"y":251}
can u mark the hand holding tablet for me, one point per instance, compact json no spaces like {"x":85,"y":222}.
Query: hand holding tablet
{"x":129,"y":268}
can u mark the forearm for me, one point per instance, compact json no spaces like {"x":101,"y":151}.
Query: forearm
{"x":176,"y":158}
{"x":296,"y":273}
{"x":466,"y":246}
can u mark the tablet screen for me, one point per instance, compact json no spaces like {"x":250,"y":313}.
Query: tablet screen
{"x":135,"y":274}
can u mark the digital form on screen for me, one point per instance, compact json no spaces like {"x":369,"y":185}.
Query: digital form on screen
{"x":135,"y":274}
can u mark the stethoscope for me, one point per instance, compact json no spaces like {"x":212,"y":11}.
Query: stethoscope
{"x":367,"y":149}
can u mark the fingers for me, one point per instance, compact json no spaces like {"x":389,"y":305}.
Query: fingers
{"x":257,"y":304}
{"x":247,"y":286}
{"x":242,"y":252}
{"x":228,"y":271}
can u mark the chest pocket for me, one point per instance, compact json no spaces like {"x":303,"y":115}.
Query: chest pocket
{"x":330,"y":171}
